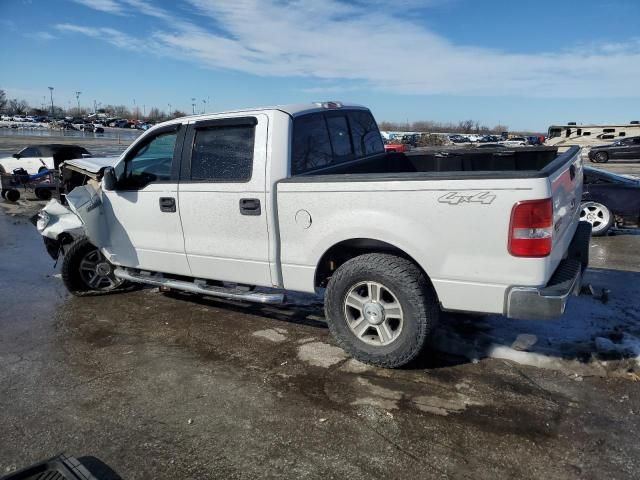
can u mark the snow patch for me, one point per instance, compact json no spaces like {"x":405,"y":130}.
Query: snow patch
{"x":321,"y":354}
{"x":276,"y":335}
{"x":589,"y":332}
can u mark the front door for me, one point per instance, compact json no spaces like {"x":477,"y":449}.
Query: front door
{"x":142,"y":213}
{"x":223,"y":202}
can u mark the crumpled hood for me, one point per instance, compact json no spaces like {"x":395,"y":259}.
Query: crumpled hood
{"x":92,"y":164}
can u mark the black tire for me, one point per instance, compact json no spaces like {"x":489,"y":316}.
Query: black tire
{"x":409,"y":287}
{"x":12,"y":195}
{"x":74,"y":279}
{"x":3,"y":193}
{"x":601,"y":157}
{"x":43,"y":194}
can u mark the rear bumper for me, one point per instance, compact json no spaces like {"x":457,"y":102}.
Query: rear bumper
{"x":550,"y":301}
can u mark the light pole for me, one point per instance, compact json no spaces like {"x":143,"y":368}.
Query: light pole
{"x":78,"y":100}
{"x":51,"y":93}
{"x":169,"y":109}
{"x":193,"y":106}
{"x":204,"y":105}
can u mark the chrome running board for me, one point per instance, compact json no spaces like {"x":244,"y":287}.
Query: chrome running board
{"x":199,"y":287}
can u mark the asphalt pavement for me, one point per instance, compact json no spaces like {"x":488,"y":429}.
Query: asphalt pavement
{"x":159,"y":386}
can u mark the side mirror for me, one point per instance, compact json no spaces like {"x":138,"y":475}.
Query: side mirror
{"x":109,"y":179}
{"x":16,"y":155}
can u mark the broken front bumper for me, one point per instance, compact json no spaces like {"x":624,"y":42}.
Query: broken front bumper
{"x":550,"y":301}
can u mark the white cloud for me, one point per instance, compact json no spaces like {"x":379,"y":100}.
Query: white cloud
{"x":109,"y":6}
{"x":110,"y":35}
{"x":336,"y":41}
{"x":46,"y":36}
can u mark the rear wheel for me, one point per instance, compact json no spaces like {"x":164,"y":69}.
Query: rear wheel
{"x":86,"y":271}
{"x":601,"y":157}
{"x":598,"y":215}
{"x":12,"y":195}
{"x":381,"y":309}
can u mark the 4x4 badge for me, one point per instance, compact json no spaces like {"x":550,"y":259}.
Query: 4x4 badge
{"x":456,"y":198}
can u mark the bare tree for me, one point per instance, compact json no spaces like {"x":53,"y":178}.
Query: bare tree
{"x":155,"y":115}
{"x":3,"y":100}
{"x":78,"y":112}
{"x":177,"y":114}
{"x":18,"y":107}
{"x":466,"y":126}
{"x":121,"y":111}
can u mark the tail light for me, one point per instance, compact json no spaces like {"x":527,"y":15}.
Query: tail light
{"x":531,"y":228}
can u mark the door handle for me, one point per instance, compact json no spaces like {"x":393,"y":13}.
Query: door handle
{"x":250,"y":206}
{"x":167,"y":204}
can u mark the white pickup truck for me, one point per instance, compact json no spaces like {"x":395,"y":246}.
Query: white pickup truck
{"x":304,"y":198}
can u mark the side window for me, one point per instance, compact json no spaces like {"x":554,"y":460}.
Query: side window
{"x":311,"y":145}
{"x":223,"y":153}
{"x":340,"y":136}
{"x":365,"y":134}
{"x":150,"y":162}
{"x":30,"y":152}
{"x":636,"y":141}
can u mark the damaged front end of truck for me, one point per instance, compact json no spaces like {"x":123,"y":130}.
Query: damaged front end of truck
{"x":78,"y":213}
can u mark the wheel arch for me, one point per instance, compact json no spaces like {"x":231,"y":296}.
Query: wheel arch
{"x":345,"y":250}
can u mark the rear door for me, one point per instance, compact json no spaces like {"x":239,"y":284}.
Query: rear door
{"x":634,"y":149}
{"x":223,"y":201}
{"x":620,"y":149}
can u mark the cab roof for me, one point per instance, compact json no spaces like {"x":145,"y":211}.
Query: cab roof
{"x":294,"y":109}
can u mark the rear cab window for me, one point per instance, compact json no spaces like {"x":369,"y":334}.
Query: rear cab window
{"x":325,"y":139}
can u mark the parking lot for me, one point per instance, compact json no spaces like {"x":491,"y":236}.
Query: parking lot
{"x":178,"y":386}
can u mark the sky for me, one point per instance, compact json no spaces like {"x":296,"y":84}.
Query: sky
{"x":524,"y":64}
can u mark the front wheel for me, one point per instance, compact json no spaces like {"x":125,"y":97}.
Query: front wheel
{"x":598,"y":215}
{"x":86,"y":271}
{"x":381,"y":309}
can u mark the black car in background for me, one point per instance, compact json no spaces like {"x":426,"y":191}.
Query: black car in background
{"x":622,"y":149}
{"x":609,"y":199}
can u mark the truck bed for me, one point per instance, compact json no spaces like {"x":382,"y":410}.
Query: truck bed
{"x":451,"y":163}
{"x":449,"y":211}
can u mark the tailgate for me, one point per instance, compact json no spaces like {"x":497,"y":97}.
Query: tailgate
{"x":566,"y":191}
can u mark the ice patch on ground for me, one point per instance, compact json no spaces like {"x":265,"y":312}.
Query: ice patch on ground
{"x":276,"y":335}
{"x":321,"y":354}
{"x":585,"y":341}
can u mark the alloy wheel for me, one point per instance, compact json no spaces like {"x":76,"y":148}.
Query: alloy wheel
{"x":373,"y":313}
{"x":596,"y":214}
{"x":97,"y":273}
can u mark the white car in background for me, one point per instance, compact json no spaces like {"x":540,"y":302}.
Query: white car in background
{"x":36,"y":158}
{"x":515,"y":142}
